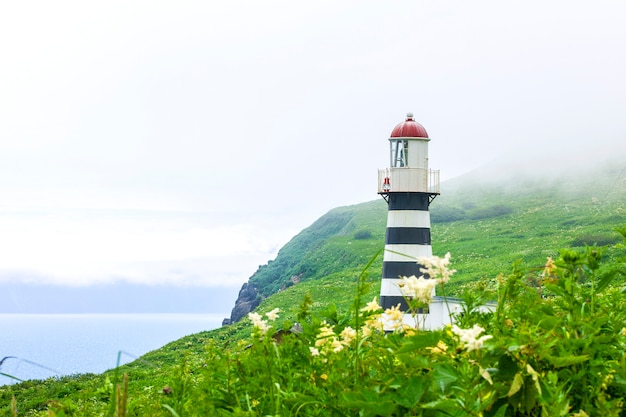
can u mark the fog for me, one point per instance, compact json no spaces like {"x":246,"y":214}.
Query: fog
{"x":184,"y":144}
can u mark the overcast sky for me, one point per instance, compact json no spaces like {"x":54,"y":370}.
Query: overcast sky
{"x":186,"y":142}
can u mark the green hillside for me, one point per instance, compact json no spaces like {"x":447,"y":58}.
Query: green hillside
{"x":487,"y":226}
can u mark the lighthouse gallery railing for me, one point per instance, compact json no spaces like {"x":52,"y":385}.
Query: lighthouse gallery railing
{"x":408,"y":179}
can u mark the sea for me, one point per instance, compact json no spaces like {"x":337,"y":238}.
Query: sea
{"x":41,"y":346}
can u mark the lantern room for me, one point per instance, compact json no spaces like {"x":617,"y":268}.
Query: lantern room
{"x":408,"y":165}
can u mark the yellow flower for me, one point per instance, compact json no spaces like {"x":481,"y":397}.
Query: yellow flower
{"x":336,"y":346}
{"x":372,"y":306}
{"x":371,"y":325}
{"x":347,"y":335}
{"x":440,"y":348}
{"x":549,"y":268}
{"x":393,"y":318}
{"x":325,"y":330}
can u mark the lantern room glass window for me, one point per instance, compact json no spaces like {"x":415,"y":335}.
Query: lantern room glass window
{"x":399,"y":149}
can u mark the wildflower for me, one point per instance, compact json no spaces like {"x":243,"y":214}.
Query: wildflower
{"x":325,"y":331}
{"x":623,"y":332}
{"x":314,"y":351}
{"x":393,"y":318}
{"x":262,"y":326}
{"x":258,"y":322}
{"x":440,"y":348}
{"x":372,"y":306}
{"x":324,"y":377}
{"x":437,"y":268}
{"x":549,"y":268}
{"x":420,"y":288}
{"x":469,"y":337}
{"x":254,"y":317}
{"x":326,"y":338}
{"x":348,"y":335}
{"x":372,"y":324}
{"x":272,"y":315}
{"x":336,"y":345}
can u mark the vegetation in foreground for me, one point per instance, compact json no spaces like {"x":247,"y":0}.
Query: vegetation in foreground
{"x":554,"y":346}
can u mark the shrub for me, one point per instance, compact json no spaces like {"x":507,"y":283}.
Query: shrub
{"x":447,"y":214}
{"x":489,"y":212}
{"x":595,"y":239}
{"x":363,"y":235}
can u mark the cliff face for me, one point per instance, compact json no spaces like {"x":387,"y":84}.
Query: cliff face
{"x":247,"y":300}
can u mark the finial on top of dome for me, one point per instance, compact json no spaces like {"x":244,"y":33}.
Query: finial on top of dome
{"x":409,"y":116}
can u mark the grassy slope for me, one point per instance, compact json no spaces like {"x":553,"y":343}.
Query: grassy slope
{"x":486,"y":227}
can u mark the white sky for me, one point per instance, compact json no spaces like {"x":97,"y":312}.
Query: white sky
{"x":185,"y":142}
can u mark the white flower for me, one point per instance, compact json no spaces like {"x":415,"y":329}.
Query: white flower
{"x":437,"y":268}
{"x":254,"y":317}
{"x":272,"y":315}
{"x":393,"y":318}
{"x":314,"y":351}
{"x":372,"y":306}
{"x":469,"y":337}
{"x":258,"y":323}
{"x":420,"y":288}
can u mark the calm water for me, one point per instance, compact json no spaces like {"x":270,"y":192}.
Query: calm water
{"x":64,"y":344}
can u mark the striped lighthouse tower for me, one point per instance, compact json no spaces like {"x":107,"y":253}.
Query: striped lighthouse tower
{"x":409,"y":187}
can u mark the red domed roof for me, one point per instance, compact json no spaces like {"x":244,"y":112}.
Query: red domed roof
{"x":409,"y":129}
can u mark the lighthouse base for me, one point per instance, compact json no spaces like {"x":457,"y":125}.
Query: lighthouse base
{"x":441,"y":313}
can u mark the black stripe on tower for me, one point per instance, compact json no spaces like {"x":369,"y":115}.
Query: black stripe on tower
{"x":388,"y":301}
{"x":407,"y":235}
{"x":408,"y":201}
{"x":401,"y":269}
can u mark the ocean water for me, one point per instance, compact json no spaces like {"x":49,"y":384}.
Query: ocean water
{"x":39,"y":346}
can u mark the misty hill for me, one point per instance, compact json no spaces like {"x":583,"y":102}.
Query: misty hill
{"x":488,"y":219}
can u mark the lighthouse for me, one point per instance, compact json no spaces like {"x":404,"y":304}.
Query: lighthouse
{"x":408,"y":186}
